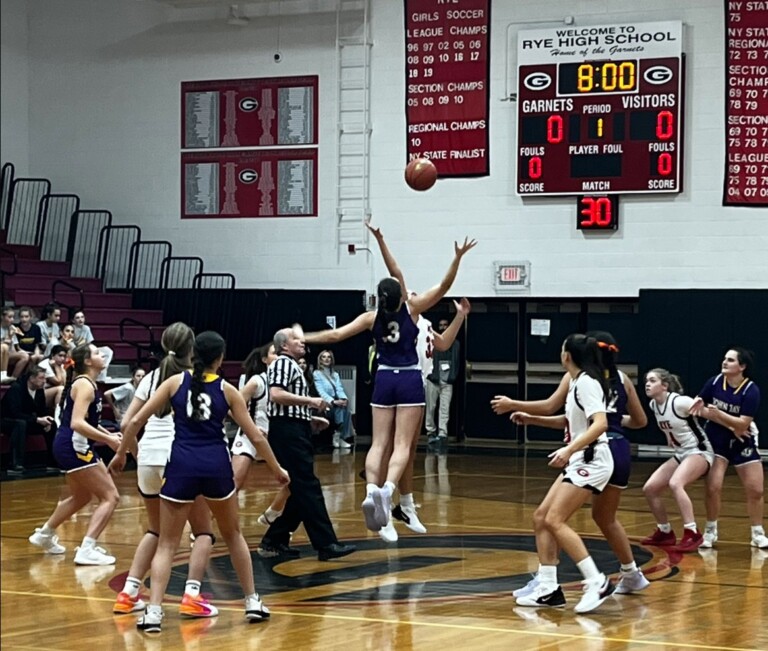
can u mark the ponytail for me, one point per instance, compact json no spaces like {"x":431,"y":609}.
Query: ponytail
{"x":177,"y":342}
{"x":585,"y":354}
{"x":75,"y":366}
{"x":196,"y":390}
{"x":209,"y":346}
{"x":608,"y":351}
{"x":389,"y":295}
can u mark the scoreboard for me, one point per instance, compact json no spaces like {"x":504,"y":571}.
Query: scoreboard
{"x":600,"y":109}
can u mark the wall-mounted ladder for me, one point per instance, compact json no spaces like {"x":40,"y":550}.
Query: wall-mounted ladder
{"x":353,"y":55}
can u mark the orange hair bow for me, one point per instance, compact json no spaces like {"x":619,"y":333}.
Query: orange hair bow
{"x":69,"y":363}
{"x":612,"y":347}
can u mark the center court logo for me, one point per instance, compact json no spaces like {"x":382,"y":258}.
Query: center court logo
{"x":424,"y":567}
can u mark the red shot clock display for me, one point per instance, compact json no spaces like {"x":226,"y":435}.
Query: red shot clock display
{"x":600,"y":109}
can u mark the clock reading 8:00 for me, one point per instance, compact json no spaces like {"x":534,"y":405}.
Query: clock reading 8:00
{"x":597,"y":77}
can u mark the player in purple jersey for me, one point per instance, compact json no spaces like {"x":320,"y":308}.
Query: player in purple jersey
{"x":199,"y":464}
{"x":624,"y":410}
{"x":398,"y":395}
{"x":729,"y":402}
{"x":178,"y":342}
{"x":87,"y":476}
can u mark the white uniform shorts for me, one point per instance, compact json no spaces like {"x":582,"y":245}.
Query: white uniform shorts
{"x":150,"y":479}
{"x":242,"y":446}
{"x":683,"y":453}
{"x":594,"y":475}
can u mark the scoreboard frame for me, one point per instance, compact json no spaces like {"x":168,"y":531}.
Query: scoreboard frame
{"x":600,"y":110}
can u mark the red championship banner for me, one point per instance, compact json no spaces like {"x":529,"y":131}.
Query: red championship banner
{"x":746,"y":104}
{"x":255,"y":183}
{"x":446,"y":94}
{"x":269,"y":112}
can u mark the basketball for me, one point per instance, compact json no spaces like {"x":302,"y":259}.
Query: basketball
{"x":420,"y":174}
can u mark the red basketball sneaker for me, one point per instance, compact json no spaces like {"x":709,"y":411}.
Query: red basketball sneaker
{"x":690,"y":541}
{"x":660,"y":539}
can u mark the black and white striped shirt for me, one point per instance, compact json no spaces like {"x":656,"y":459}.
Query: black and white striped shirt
{"x":285,"y":373}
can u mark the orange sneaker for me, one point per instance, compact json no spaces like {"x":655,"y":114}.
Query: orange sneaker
{"x":126,"y":604}
{"x":197,"y":607}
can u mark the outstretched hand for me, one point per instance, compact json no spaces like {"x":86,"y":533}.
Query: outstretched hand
{"x":461,"y":250}
{"x":463,"y":307}
{"x":376,"y":232}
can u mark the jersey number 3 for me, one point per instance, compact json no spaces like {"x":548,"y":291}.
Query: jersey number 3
{"x":394,"y":332}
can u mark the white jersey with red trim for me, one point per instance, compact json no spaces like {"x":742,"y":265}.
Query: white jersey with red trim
{"x":682,"y":430}
{"x":585,"y":399}
{"x":425,"y":346}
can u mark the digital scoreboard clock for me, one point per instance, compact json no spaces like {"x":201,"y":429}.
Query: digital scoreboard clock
{"x":600,"y":109}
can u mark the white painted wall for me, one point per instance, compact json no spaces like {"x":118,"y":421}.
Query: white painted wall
{"x":104,"y":81}
{"x":14,"y":98}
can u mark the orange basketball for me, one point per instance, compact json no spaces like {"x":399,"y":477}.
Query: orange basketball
{"x":420,"y":174}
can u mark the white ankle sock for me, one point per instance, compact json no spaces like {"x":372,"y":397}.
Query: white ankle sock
{"x":547,"y":575}
{"x":691,"y":526}
{"x":757,"y":530}
{"x":588,"y":569}
{"x":664,"y":528}
{"x":192,"y":588}
{"x":370,"y":489}
{"x":88,"y":542}
{"x":629,"y":568}
{"x":711,"y":526}
{"x":406,"y":501}
{"x":132,"y":586}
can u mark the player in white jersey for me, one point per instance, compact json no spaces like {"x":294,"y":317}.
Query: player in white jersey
{"x":427,"y":342}
{"x":588,"y":465}
{"x":255,"y":394}
{"x":693,"y":458}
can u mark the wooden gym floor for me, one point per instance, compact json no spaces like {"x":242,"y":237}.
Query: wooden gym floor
{"x":450,"y":588}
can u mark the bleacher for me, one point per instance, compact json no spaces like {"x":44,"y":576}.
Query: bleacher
{"x":52,"y":249}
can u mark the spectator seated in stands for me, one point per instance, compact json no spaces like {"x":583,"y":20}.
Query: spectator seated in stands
{"x":67,"y":338}
{"x":120,"y":398}
{"x":29,"y":335}
{"x":24,"y":415}
{"x":83,"y":335}
{"x":55,"y":375}
{"x":49,"y":326}
{"x":12,"y":356}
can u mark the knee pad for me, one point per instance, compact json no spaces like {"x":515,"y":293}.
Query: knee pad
{"x":205,"y":533}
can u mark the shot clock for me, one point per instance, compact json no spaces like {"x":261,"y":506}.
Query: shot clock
{"x":600,"y":110}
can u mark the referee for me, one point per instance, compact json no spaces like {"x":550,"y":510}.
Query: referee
{"x":290,"y":436}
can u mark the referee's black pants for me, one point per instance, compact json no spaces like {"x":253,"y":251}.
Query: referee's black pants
{"x":291,"y":441}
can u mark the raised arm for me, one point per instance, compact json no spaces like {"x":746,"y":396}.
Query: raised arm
{"x":546,"y":407}
{"x":360,"y":324}
{"x":443,"y":341}
{"x":422,"y":302}
{"x":392,"y":267}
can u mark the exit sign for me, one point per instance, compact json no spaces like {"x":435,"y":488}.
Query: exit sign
{"x":508,"y":276}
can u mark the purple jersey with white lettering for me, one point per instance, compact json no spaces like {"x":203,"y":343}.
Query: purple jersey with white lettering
{"x":199,"y":447}
{"x":617,"y":404}
{"x":395,"y":338}
{"x":741,"y":400}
